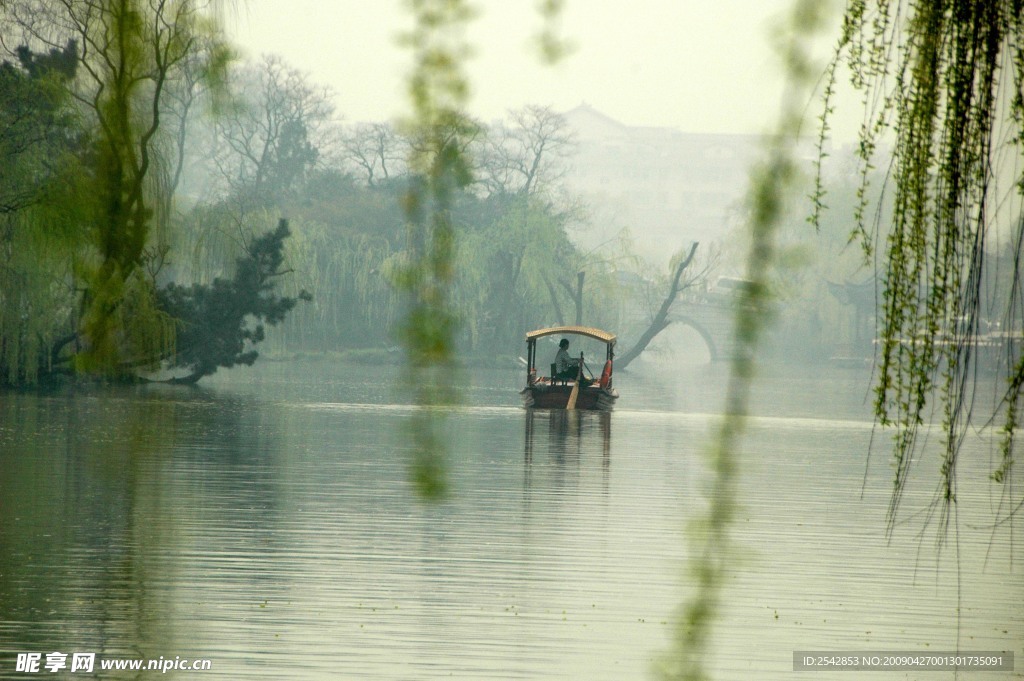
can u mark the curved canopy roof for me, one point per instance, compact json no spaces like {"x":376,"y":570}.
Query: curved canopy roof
{"x":588,"y":331}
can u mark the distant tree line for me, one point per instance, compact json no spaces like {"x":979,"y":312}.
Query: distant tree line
{"x":148,"y":159}
{"x":145,"y":168}
{"x":346,"y":188}
{"x":278,"y":149}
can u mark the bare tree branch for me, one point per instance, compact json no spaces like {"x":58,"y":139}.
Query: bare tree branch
{"x":661,"y":320}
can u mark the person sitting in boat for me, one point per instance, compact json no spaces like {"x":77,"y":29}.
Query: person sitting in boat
{"x":566,"y":367}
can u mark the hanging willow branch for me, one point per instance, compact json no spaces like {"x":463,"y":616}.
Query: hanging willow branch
{"x":440,"y":133}
{"x":772,"y":179}
{"x":943,"y":80}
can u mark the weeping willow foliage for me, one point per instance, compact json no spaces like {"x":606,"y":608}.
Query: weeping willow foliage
{"x":37,"y":302}
{"x":349,"y":248}
{"x":38,"y":214}
{"x":440,"y":135}
{"x":553,"y":47}
{"x":348,"y":239}
{"x":942,"y":81}
{"x":508,"y":253}
{"x":772,"y":181}
{"x":348,"y":276}
{"x":129,"y":55}
{"x":140,"y":47}
{"x":440,"y":131}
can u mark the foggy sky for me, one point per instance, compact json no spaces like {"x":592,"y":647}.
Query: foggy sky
{"x":698,"y":66}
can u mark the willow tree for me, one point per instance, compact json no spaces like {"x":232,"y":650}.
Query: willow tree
{"x":130,"y":50}
{"x":38,"y":134}
{"x":943,"y":82}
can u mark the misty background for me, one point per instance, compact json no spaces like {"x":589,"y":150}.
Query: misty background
{"x":644,"y":137}
{"x":273,"y":519}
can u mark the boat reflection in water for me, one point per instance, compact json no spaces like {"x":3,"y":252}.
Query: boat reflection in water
{"x":563,"y":437}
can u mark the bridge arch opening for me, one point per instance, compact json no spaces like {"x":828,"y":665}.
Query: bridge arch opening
{"x":696,"y":335}
{"x":680,"y":344}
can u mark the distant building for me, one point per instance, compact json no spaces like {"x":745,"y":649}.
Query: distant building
{"x":666,"y":186}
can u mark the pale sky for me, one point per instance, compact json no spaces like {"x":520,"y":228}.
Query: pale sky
{"x":693,"y":65}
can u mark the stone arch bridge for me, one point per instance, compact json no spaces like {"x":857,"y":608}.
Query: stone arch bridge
{"x":712,"y":319}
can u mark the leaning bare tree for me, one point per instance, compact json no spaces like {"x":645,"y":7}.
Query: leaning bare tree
{"x":661,"y":320}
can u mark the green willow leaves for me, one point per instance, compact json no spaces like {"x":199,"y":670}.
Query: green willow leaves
{"x":440,"y":134}
{"x":942,"y":83}
{"x":772,"y":183}
{"x":128,"y":55}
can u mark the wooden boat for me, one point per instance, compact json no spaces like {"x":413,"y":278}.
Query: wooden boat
{"x":549,"y":392}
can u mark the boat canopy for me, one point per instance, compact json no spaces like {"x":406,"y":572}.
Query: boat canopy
{"x":589,"y":331}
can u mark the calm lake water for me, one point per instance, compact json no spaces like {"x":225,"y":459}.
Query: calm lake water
{"x":266,"y":522}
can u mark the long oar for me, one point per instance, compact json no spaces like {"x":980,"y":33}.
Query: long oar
{"x":571,"y":404}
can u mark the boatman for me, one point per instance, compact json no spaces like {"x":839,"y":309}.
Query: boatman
{"x":565,"y":366}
